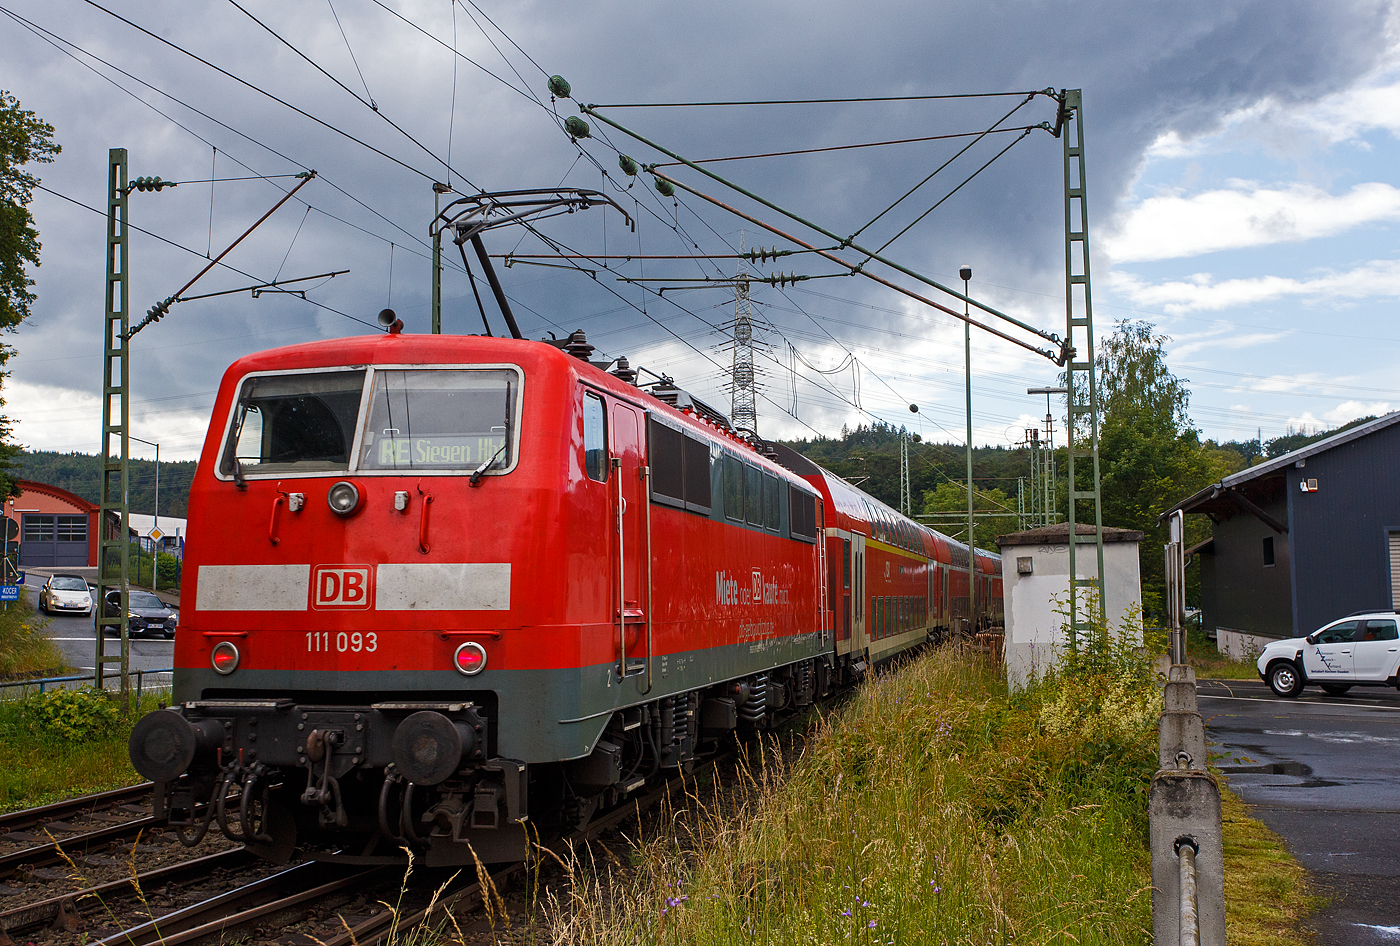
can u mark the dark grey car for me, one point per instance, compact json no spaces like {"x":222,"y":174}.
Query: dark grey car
{"x":148,"y":615}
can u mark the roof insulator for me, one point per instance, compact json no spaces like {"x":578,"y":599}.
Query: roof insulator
{"x":666,"y":188}
{"x":629,"y":167}
{"x":578,"y":346}
{"x":559,"y":87}
{"x":624,"y":371}
{"x":576,"y":127}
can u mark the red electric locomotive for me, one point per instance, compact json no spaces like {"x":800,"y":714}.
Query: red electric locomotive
{"x":440,"y":586}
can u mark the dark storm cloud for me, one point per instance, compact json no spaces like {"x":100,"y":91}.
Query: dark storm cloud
{"x":1145,"y":69}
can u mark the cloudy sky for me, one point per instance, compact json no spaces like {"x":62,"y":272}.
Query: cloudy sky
{"x":1241,"y":176}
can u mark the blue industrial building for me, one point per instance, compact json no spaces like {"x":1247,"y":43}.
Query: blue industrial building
{"x":1304,"y":538}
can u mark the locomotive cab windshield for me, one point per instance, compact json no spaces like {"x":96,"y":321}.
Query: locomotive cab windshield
{"x":449,"y":420}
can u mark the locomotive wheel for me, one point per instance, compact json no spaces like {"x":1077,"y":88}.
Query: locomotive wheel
{"x":1285,"y":680}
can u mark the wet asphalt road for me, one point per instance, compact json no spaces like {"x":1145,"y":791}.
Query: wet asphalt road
{"x":1324,"y":772}
{"x":76,"y":638}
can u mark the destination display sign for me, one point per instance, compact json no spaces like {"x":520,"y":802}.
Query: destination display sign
{"x":452,"y":451}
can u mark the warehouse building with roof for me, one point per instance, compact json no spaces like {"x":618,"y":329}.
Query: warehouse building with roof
{"x":1304,"y":538}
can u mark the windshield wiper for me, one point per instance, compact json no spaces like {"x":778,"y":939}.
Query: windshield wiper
{"x":481,"y":470}
{"x":238,"y":474}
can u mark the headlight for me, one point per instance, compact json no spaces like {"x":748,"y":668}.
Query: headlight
{"x":343,"y":498}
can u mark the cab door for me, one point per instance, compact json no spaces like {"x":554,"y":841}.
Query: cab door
{"x":627,"y":452}
{"x":1330,"y":656}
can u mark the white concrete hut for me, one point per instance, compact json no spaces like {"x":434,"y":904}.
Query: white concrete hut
{"x":1035,"y":586}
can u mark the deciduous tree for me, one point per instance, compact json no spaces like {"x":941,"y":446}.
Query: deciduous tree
{"x":24,"y":139}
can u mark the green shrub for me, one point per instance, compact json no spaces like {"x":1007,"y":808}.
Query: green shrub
{"x":78,"y":715}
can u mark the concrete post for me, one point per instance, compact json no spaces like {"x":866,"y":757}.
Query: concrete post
{"x":1184,"y":809}
{"x":1181,"y":732}
{"x":1179,"y":697}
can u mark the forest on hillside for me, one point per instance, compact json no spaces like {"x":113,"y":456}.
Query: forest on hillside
{"x":81,"y":473}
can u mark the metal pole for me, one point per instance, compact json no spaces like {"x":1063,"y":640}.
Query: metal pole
{"x":115,"y":454}
{"x":966,"y":274}
{"x":438,"y":191}
{"x":1176,"y":587}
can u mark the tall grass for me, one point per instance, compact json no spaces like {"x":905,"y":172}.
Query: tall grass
{"x":24,"y":647}
{"x":934,"y":808}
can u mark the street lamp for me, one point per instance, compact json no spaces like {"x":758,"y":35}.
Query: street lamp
{"x":965,"y":273}
{"x":155,"y":519}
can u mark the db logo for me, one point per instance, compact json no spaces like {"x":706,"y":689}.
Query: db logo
{"x":341,"y":586}
{"x":757,"y":586}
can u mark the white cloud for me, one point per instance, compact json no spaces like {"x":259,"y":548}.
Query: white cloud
{"x":1200,"y":292}
{"x":64,"y":419}
{"x":1343,"y":413}
{"x":1281,"y":384}
{"x":1170,"y":226}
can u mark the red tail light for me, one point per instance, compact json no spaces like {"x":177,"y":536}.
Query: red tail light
{"x":224,"y":657}
{"x":470,"y":658}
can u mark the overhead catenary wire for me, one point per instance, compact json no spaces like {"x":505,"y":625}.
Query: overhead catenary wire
{"x":351,"y":51}
{"x":367,"y":104}
{"x":850,"y":147}
{"x":58,"y":42}
{"x":194,"y":252}
{"x":936,"y":171}
{"x":261,"y":91}
{"x":830,"y":101}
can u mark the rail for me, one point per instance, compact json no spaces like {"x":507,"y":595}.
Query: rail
{"x":44,"y":682}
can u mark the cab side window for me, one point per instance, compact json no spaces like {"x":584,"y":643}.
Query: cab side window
{"x":595,"y":438}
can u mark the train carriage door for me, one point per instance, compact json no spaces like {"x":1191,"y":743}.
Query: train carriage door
{"x":628,"y":451}
{"x":839,"y":581}
{"x":859,"y":609}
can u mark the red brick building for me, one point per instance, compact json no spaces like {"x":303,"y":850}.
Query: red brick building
{"x":57,"y":529}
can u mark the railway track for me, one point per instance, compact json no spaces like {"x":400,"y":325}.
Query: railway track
{"x":313,"y":892}
{"x":83,"y":805}
{"x":80,"y":908}
{"x":37,"y":838}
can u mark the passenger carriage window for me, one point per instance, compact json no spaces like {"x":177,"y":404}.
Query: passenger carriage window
{"x":440,"y":419}
{"x":733,"y":488}
{"x":772,"y":513}
{"x":292,"y":423}
{"x":753,"y":495}
{"x":802,"y":515}
{"x":595,"y":438}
